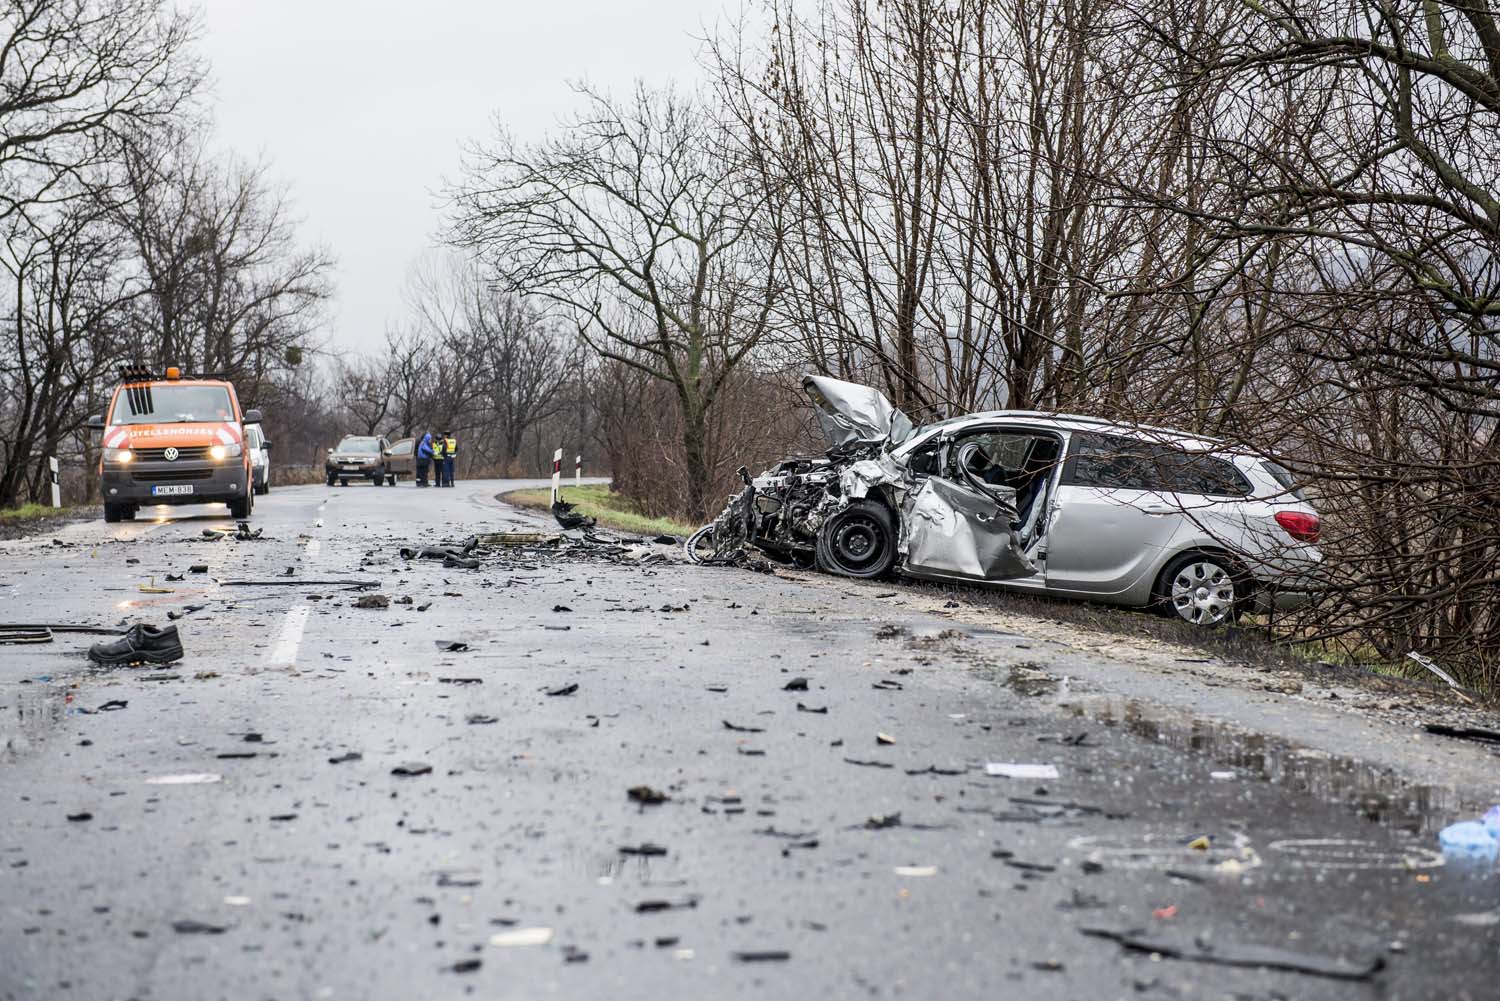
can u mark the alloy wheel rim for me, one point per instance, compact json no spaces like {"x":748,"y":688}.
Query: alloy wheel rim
{"x":1203,"y":593}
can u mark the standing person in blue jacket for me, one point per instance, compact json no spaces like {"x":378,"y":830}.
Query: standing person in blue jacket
{"x":424,"y":458}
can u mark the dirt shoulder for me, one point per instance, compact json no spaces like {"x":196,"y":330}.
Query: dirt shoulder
{"x":1112,"y":654}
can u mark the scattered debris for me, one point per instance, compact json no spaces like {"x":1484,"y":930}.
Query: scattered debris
{"x":883,"y":821}
{"x":568,"y":689}
{"x":646,"y":796}
{"x":763,"y":956}
{"x":1230,"y":954}
{"x":411,"y":769}
{"x":1478,"y":733}
{"x":884,"y":738}
{"x":478,"y":719}
{"x":372,"y":601}
{"x":192,"y":927}
{"x":188,"y":779}
{"x":452,"y":646}
{"x":742,"y":729}
{"x":346,"y":757}
{"x":1020,"y":771}
{"x":645,"y":848}
{"x":521,"y":937}
{"x":795,"y":685}
{"x":568,"y":517}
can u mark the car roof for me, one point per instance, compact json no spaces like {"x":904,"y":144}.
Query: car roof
{"x":1082,"y":422}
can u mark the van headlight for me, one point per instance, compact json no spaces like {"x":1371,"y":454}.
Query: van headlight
{"x":221,"y":452}
{"x":118,"y":456}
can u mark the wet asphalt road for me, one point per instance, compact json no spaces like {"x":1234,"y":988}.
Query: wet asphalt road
{"x":801,"y":856}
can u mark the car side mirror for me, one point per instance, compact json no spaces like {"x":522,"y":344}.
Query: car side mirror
{"x":330,"y":451}
{"x":265,"y":445}
{"x":96,"y":423}
{"x":252,"y":417}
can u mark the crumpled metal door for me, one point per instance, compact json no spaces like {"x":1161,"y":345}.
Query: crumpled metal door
{"x":954,"y":528}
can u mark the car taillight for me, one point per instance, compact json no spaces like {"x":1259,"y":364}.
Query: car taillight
{"x":1299,"y":525}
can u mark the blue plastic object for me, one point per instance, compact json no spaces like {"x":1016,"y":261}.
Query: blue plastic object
{"x":1469,"y":840}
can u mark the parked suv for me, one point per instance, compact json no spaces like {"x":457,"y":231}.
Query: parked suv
{"x":1054,"y":503}
{"x":174,"y":440}
{"x":357,"y":457}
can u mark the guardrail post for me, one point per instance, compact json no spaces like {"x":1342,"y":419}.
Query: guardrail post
{"x":56,"y":483}
{"x":577,"y":470}
{"x":557,"y":476}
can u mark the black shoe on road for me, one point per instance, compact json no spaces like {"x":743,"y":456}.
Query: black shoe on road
{"x":140,"y":644}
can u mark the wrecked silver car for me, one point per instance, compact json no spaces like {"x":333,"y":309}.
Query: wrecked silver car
{"x":1052,"y":503}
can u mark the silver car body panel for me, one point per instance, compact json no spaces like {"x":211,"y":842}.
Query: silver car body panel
{"x":953,"y":528}
{"x":850,"y":413}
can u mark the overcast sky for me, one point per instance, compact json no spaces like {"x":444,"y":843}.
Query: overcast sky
{"x":360,"y":106}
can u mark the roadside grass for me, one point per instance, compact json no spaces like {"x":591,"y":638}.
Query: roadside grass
{"x":29,"y":512}
{"x":18,"y":522}
{"x":597,"y":501}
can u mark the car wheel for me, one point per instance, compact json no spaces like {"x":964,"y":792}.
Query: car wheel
{"x":240,"y":509}
{"x":343,"y":483}
{"x":331,"y":478}
{"x":859,"y":541}
{"x":114,"y":512}
{"x":129,"y":511}
{"x":1200,"y":588}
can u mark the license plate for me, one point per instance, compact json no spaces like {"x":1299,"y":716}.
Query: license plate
{"x":172,"y":490}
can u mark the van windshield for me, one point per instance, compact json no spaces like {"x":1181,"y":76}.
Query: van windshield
{"x":168,"y":403}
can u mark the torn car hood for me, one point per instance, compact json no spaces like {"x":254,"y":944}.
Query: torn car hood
{"x":850,"y":413}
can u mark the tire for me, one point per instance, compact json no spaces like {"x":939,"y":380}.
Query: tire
{"x":265,"y":487}
{"x":114,"y":512}
{"x":240,"y":509}
{"x":859,"y":541}
{"x":343,"y":483}
{"x":1201,"y":589}
{"x":129,"y":511}
{"x":331,"y":478}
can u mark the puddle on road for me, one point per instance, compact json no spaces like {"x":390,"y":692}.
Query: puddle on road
{"x":1377,"y":794}
{"x":34,"y":708}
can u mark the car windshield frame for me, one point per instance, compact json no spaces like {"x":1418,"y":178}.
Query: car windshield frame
{"x":345,"y":446}
{"x":161,"y":403}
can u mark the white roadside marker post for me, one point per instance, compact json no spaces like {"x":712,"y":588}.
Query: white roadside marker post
{"x":557,"y":476}
{"x":56,"y":484}
{"x":577,"y":470}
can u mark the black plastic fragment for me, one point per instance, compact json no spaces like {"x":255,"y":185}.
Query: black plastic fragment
{"x":1233,"y":954}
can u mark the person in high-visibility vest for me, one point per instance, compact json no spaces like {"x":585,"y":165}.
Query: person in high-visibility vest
{"x":437,"y":460}
{"x":450,"y":454}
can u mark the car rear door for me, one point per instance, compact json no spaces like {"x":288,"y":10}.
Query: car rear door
{"x":1111,"y":525}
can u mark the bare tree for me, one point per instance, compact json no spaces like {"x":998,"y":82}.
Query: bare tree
{"x":634,"y":221}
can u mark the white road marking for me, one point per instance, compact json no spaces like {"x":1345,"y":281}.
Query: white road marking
{"x":284,"y":653}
